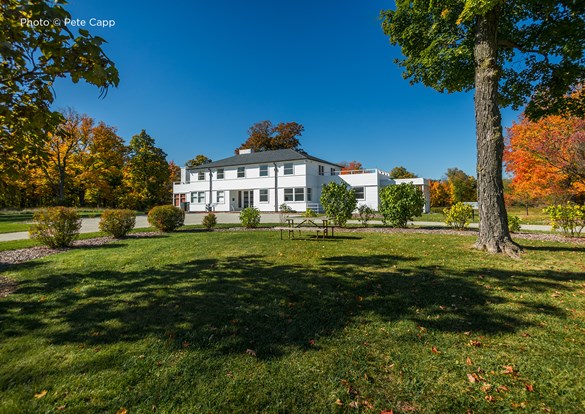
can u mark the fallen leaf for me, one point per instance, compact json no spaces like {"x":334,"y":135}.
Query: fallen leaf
{"x":387,"y":412}
{"x":339,"y":402}
{"x":489,"y":398}
{"x":508,"y":369}
{"x":230,"y":374}
{"x":525,"y":334}
{"x":502,"y":388}
{"x":41,"y":394}
{"x":312,"y":342}
{"x":475,"y":343}
{"x":122,"y":411}
{"x":434,"y":350}
{"x":529,"y":387}
{"x":186,"y":344}
{"x":250,"y":352}
{"x":468,"y":361}
{"x":486,"y":387}
{"x":354,"y":404}
{"x":471,"y":378}
{"x":523,"y":405}
{"x":60,"y":408}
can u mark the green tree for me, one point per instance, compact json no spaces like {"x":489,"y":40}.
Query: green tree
{"x":401,"y":172}
{"x":197,"y":161}
{"x":463,"y":187}
{"x":401,"y":203}
{"x":513,"y":53}
{"x":33,"y":57}
{"x":146,"y":174}
{"x":339,"y":202}
{"x":263,"y":136}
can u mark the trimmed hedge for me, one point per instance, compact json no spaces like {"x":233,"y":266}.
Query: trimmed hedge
{"x":166,"y":218}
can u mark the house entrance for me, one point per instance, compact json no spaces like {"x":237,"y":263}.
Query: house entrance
{"x":246,"y":199}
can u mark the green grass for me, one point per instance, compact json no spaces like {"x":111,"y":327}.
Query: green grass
{"x":243,"y":322}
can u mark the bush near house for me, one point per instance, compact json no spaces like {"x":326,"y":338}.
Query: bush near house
{"x":56,"y":226}
{"x":339,"y":202}
{"x":250,"y":217}
{"x":458,"y":216}
{"x":209,"y":221}
{"x":117,"y":223}
{"x":401,"y":203}
{"x":166,"y":218}
{"x":309,"y":213}
{"x":366,"y":214}
{"x":283,"y":211}
{"x":568,"y":217}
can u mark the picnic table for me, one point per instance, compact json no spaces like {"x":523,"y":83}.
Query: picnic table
{"x":319,"y":224}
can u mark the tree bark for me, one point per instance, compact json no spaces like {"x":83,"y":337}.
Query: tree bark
{"x":494,"y":235}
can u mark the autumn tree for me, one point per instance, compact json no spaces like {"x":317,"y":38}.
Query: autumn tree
{"x":401,"y":172}
{"x":440,"y":193}
{"x":102,"y":171}
{"x":33,"y":57}
{"x":264,"y":136}
{"x":546,"y":158}
{"x":352,"y":166}
{"x":197,"y":161}
{"x":146,"y":174}
{"x":512,"y":53}
{"x":462,"y":187}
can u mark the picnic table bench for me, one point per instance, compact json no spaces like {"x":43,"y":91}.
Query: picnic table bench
{"x":318,"y":224}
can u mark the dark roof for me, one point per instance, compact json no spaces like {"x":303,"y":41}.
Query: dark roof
{"x":262,"y":157}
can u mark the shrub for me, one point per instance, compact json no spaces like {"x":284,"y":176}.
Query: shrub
{"x":338,"y":201}
{"x":309,"y":213}
{"x":56,"y":226}
{"x":569,"y":217}
{"x":166,"y":218}
{"x":458,"y":215}
{"x":514,"y":224}
{"x":209,"y":221}
{"x":401,"y":203}
{"x":250,"y":217}
{"x":283,"y":211}
{"x":117,"y":223}
{"x":366,"y":214}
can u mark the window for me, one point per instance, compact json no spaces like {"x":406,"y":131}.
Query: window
{"x":359,"y":193}
{"x":220,"y":197}
{"x":201,"y":175}
{"x":241,"y":172}
{"x":198,"y":197}
{"x":295,"y":194}
{"x":321,"y":170}
{"x":288,"y":194}
{"x":264,"y":171}
{"x":299,"y":194}
{"x":309,"y":194}
{"x":288,"y":168}
{"x":179,"y":198}
{"x":220,"y":173}
{"x":264,"y":196}
{"x":332,"y":171}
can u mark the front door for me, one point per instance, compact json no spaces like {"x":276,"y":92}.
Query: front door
{"x":246,"y":199}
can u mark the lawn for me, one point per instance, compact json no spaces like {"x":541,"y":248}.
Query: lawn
{"x":535,"y":215}
{"x":243,"y":322}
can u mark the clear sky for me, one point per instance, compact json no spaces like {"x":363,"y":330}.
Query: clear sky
{"x":196,"y":74}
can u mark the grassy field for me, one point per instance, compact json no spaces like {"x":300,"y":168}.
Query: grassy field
{"x":535,"y":215}
{"x":243,"y":322}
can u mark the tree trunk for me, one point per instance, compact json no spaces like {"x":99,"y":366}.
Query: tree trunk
{"x":493,"y":219}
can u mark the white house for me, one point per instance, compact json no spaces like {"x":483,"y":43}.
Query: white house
{"x":267,"y":179}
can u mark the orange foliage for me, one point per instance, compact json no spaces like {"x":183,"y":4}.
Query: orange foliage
{"x":351,"y":166}
{"x":546,"y":158}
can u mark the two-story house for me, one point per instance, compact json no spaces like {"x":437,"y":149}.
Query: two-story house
{"x":267,"y":179}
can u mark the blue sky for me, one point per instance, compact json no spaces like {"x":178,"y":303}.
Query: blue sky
{"x":196,"y":74}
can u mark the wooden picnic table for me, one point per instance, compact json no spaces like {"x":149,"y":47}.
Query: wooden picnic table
{"x":321,"y":224}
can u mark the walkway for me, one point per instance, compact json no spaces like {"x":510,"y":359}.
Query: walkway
{"x":90,"y":225}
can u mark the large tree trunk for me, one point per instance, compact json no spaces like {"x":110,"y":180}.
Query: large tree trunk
{"x":493,"y":219}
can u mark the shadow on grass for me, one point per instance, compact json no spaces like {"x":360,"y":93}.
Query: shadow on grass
{"x":253,"y":302}
{"x":552,"y":249}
